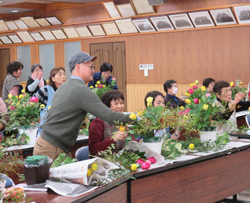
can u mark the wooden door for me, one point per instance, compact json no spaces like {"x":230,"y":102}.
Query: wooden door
{"x":113,"y":53}
{"x":4,"y":61}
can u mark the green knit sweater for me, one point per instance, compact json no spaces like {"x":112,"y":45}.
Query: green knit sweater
{"x":70,"y":105}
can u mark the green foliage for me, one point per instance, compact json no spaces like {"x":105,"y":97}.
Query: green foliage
{"x":237,"y":87}
{"x":171,"y":149}
{"x":62,"y":159}
{"x":101,"y":87}
{"x":12,"y":140}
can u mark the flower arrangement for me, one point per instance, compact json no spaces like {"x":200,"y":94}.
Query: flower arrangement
{"x":200,"y":102}
{"x":237,"y":87}
{"x":101,"y":87}
{"x":24,"y":111}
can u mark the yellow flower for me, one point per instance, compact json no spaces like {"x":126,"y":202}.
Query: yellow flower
{"x":94,"y":167}
{"x":182,"y":108}
{"x":10,"y":96}
{"x":21,"y":96}
{"x":32,"y":103}
{"x":18,"y":103}
{"x":133,"y":116}
{"x":42,"y":106}
{"x":191,"y":85}
{"x":149,"y":104}
{"x":241,"y":82}
{"x":96,"y":85}
{"x":89,"y":173}
{"x":133,"y":167}
{"x":91,"y":87}
{"x":149,"y":99}
{"x":249,"y":109}
{"x":203,"y":88}
{"x":98,"y":82}
{"x":185,"y":118}
{"x":122,"y":128}
{"x":191,"y":146}
{"x":231,"y":84}
{"x":103,"y":86}
{"x":23,"y":91}
{"x":205,"y":106}
{"x":196,"y":81}
{"x":140,"y":113}
{"x":187,"y":101}
{"x":49,"y":107}
{"x":187,"y":94}
{"x":7,"y":101}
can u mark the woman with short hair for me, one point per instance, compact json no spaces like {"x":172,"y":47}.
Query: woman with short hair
{"x":11,"y":83}
{"x":209,"y":84}
{"x":36,"y":80}
{"x":171,"y":100}
{"x":45,"y":94}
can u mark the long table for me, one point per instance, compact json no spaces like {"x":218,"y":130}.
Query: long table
{"x":203,"y":179}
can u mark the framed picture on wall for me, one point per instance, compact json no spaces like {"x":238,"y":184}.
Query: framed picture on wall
{"x":143,"y":25}
{"x":37,"y":36}
{"x":83,"y":31}
{"x":96,"y":30}
{"x":5,"y":40}
{"x":112,"y":10}
{"x":126,"y":26}
{"x":25,"y":36}
{"x":223,"y":16}
{"x":162,"y":23}
{"x":71,"y":32}
{"x":181,"y":21}
{"x":11,"y":25}
{"x":201,"y":19}
{"x":15,"y":38}
{"x":110,"y":28}
{"x":242,"y":14}
{"x":126,"y":10}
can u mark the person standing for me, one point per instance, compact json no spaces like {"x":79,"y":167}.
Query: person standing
{"x":36,"y":80}
{"x":70,"y":104}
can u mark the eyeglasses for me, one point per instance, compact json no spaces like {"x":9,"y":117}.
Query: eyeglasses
{"x":91,"y":66}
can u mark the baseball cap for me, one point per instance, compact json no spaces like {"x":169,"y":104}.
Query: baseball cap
{"x":80,"y":58}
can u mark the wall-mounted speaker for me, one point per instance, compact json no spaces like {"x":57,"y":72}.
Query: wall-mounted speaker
{"x":157,"y":2}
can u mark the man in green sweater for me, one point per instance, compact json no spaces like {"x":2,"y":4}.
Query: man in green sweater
{"x":70,"y":104}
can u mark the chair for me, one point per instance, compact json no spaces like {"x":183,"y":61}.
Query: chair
{"x":248,"y":120}
{"x":82,"y":153}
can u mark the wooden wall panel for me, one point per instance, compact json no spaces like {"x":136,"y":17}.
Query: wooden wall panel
{"x":59,"y":51}
{"x":34,"y":51}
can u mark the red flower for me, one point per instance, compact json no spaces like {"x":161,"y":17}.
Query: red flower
{"x":34,"y":99}
{"x":152,"y":159}
{"x":190,"y":91}
{"x":140,"y":161}
{"x":145,"y":165}
{"x":100,"y":86}
{"x":12,"y":107}
{"x":196,"y":100}
{"x":195,"y":87}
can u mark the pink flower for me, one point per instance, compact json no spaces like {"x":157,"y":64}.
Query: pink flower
{"x":113,"y":78}
{"x":196,"y":101}
{"x":100,"y":86}
{"x":0,"y":140}
{"x":34,"y":99}
{"x":195,"y":87}
{"x":152,"y":159}
{"x":187,"y":110}
{"x":145,"y":166}
{"x":12,"y":107}
{"x":208,"y":95}
{"x":140,"y":161}
{"x":190,"y":91}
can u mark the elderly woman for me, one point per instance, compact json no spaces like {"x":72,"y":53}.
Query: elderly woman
{"x":171,"y":100}
{"x":104,"y":76}
{"x":228,"y":106}
{"x":101,"y":132}
{"x":209,"y":84}
{"x":158,"y":100}
{"x":36,"y":80}
{"x":11,"y":83}
{"x":45,"y":94}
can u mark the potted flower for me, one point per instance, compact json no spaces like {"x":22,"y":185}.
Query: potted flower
{"x":202,"y":110}
{"x":237,"y":87}
{"x":23,"y":114}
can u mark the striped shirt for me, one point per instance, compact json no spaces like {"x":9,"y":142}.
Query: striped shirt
{"x":42,"y":95}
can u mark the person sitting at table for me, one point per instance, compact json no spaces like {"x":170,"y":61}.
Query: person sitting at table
{"x":228,"y":107}
{"x":209,"y":84}
{"x":101,"y":132}
{"x":11,"y":83}
{"x":36,"y":80}
{"x":158,"y":100}
{"x":171,"y":100}
{"x":104,"y":76}
{"x":45,"y":94}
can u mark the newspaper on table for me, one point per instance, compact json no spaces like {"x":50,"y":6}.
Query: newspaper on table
{"x":136,"y":146}
{"x":77,"y":172}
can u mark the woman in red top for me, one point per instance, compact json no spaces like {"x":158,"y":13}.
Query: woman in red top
{"x":101,"y":132}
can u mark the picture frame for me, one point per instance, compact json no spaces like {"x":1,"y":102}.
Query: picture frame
{"x":15,"y":39}
{"x":162,"y":23}
{"x":71,"y":32}
{"x":30,"y":22}
{"x":181,"y":21}
{"x":83,"y":31}
{"x":111,"y":9}
{"x":126,"y":26}
{"x":43,"y":22}
{"x":142,"y":6}
{"x":3,"y":26}
{"x":110,"y":28}
{"x":21,"y":24}
{"x":54,"y":20}
{"x":59,"y":34}
{"x":37,"y":36}
{"x":201,"y":19}
{"x":25,"y":36}
{"x":144,"y":25}
{"x":242,"y":14}
{"x":6,"y":40}
{"x":47,"y":35}
{"x":126,"y":10}
{"x":223,"y":16}
{"x":11,"y":25}
{"x":96,"y":30}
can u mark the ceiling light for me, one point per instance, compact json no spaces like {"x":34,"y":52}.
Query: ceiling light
{"x":14,"y":11}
